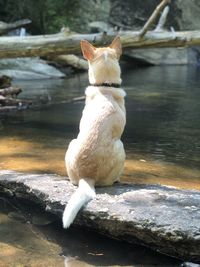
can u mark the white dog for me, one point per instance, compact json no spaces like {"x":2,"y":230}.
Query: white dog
{"x":96,"y":156}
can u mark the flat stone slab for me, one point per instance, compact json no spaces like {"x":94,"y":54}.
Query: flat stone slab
{"x":163,"y":218}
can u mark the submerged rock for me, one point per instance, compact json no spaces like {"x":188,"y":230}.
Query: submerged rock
{"x":17,"y":216}
{"x":40,"y":218}
{"x":99,"y":26}
{"x":159,"y":56}
{"x":28,"y":69}
{"x":163,"y":218}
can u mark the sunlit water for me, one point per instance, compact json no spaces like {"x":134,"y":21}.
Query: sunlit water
{"x":161,"y":138}
{"x":162,"y":143}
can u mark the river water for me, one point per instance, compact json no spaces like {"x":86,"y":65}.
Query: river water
{"x":161,"y":138}
{"x":162,"y":143}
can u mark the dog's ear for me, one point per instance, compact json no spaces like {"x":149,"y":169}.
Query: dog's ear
{"x":87,"y":50}
{"x":116,"y":44}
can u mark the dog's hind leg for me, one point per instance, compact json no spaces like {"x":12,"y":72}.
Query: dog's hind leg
{"x":70,"y":162}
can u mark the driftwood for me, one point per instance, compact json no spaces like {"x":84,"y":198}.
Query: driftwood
{"x":70,"y":60}
{"x":9,"y":103}
{"x":44,"y":45}
{"x":67,"y":42}
{"x":6,"y":27}
{"x":5,"y":109}
{"x":13,"y":91}
{"x":74,"y":99}
{"x":162,"y":20}
{"x":8,"y":100}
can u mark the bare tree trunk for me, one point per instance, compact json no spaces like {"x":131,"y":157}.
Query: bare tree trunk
{"x":43,"y":45}
{"x":70,"y":60}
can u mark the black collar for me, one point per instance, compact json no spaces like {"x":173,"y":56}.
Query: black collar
{"x":116,"y":85}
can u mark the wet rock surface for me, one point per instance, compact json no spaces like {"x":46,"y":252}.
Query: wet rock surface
{"x":161,"y":56}
{"x":28,"y":69}
{"x":163,"y":218}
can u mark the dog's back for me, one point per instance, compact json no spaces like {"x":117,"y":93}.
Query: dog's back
{"x":98,"y":152}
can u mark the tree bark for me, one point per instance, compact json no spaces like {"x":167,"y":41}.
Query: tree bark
{"x":153,"y":17}
{"x":43,"y":45}
{"x":70,"y":60}
{"x":6,"y":27}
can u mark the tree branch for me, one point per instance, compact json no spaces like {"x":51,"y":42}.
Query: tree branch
{"x":162,"y":20}
{"x":153,"y":17}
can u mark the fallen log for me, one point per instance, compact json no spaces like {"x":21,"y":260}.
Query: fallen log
{"x":74,"y":100}
{"x":8,"y":96}
{"x":13,"y":91}
{"x":57,"y":44}
{"x":67,"y":42}
{"x":70,"y":60}
{"x":18,"y":103}
{"x":163,"y":218}
{"x":6,"y":27}
{"x":6,"y":109}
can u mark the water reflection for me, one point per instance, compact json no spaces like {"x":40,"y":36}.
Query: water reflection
{"x":164,"y":115}
{"x":48,"y":245}
{"x":22,"y":245}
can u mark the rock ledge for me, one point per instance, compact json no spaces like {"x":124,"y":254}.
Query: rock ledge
{"x":163,"y":218}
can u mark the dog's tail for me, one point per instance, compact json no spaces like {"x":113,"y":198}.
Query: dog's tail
{"x":82,"y":195}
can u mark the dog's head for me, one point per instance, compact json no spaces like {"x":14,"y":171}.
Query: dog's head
{"x":103,"y":62}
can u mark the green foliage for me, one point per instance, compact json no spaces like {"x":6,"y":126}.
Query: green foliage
{"x":2,"y":11}
{"x":55,"y":17}
{"x":49,"y":16}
